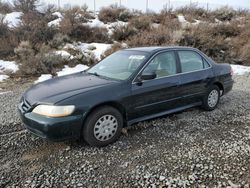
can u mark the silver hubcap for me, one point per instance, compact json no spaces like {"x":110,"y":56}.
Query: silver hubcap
{"x":105,"y":127}
{"x":213,"y":98}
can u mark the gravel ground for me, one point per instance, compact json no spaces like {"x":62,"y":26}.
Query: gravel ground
{"x":189,"y":149}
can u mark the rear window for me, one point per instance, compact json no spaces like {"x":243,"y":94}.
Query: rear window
{"x":191,"y":61}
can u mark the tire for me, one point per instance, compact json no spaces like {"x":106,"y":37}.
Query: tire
{"x":211,"y":99}
{"x":103,"y":126}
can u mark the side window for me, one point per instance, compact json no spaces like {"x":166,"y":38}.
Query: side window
{"x":162,"y":65}
{"x":191,"y":61}
{"x":206,"y":65}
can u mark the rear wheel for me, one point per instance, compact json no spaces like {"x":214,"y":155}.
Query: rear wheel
{"x":212,"y":98}
{"x":103,"y":126}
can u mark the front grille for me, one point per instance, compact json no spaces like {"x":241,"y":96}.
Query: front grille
{"x":24,"y":105}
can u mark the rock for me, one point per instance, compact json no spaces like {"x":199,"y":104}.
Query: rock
{"x":162,"y":178}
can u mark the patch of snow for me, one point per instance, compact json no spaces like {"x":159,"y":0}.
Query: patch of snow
{"x":43,"y":77}
{"x":70,"y":70}
{"x":217,"y":21}
{"x":155,"y":25}
{"x":95,"y":23}
{"x":58,"y":14}
{"x":240,"y":69}
{"x":70,"y":46}
{"x":64,"y":54}
{"x":112,"y":26}
{"x":55,"y":22}
{"x":3,"y":77}
{"x":182,"y":19}
{"x":97,"y":49}
{"x":8,"y":66}
{"x":186,"y":23}
{"x":109,"y":26}
{"x":13,"y":19}
{"x":197,"y":22}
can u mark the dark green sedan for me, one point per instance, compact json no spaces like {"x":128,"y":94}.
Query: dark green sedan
{"x":129,"y":86}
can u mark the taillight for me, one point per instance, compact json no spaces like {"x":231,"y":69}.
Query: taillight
{"x":232,"y":71}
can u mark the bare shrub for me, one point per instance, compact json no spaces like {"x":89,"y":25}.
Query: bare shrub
{"x":26,"y":5}
{"x":226,"y":30}
{"x":48,"y":11}
{"x":34,"y":28}
{"x":72,"y":18}
{"x":122,"y":32}
{"x":241,"y":47}
{"x":26,"y":58}
{"x":192,"y":12}
{"x":114,"y":13}
{"x":59,"y":40}
{"x":115,"y":47}
{"x":5,"y":7}
{"x":224,"y":13}
{"x":85,"y":33}
{"x":142,"y":22}
{"x":72,"y":25}
{"x":48,"y":62}
{"x":164,"y":34}
{"x":99,"y":34}
{"x":204,"y":38}
{"x":8,"y":40}
{"x":4,"y":29}
{"x":154,"y":37}
{"x":34,"y":64}
{"x":125,"y":15}
{"x":164,"y":16}
{"x":7,"y":45}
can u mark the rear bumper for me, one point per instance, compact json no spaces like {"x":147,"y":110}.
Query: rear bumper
{"x":228,"y":85}
{"x":55,"y":129}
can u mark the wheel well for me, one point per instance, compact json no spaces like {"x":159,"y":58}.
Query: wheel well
{"x":220,"y":86}
{"x":115,"y":105}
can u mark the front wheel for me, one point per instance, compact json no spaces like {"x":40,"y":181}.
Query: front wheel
{"x":212,"y":98}
{"x":103,"y":126}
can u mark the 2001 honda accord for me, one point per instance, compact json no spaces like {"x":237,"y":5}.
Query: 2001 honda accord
{"x":129,"y":86}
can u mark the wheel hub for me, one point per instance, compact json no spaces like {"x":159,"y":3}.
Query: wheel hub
{"x":105,"y":127}
{"x":213,"y":98}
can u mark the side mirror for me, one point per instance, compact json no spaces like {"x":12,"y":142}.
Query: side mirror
{"x":148,"y":76}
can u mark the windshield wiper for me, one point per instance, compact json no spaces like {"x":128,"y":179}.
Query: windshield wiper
{"x":94,"y":73}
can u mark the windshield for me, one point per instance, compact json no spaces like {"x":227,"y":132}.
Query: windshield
{"x":120,"y":65}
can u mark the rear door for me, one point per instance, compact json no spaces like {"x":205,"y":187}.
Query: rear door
{"x":196,"y":74}
{"x":159,"y":94}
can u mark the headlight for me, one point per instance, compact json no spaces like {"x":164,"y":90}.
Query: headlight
{"x":54,"y":111}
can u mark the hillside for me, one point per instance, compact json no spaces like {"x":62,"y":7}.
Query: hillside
{"x":46,"y":41}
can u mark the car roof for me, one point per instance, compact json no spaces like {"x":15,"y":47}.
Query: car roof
{"x":154,"y":49}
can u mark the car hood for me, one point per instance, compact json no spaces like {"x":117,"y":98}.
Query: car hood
{"x":60,"y":88}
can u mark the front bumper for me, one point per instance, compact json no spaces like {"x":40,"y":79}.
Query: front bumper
{"x":55,"y":129}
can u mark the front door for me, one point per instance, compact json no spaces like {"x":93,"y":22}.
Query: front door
{"x":157,"y":95}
